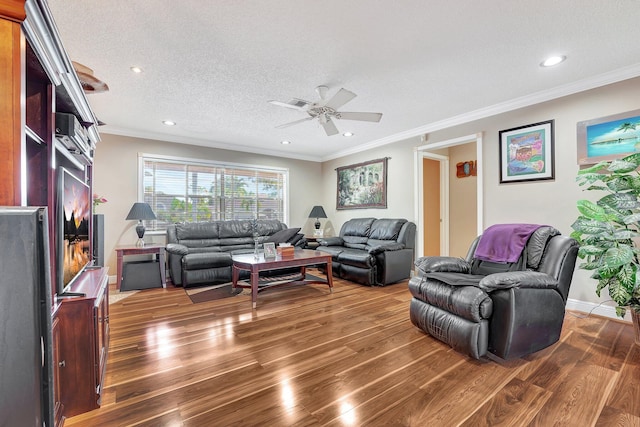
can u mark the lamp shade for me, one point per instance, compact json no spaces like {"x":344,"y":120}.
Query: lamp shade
{"x":317,"y":212}
{"x":141,"y":211}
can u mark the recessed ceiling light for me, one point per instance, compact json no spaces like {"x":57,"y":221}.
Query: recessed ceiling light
{"x":347,"y":134}
{"x":168,"y":122}
{"x":136,"y":70}
{"x":553,"y":60}
{"x":285,"y":142}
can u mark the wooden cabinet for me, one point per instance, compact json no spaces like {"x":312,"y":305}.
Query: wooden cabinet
{"x":84,"y":342}
{"x":57,"y":365}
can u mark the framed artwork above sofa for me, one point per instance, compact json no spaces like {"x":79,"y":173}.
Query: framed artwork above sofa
{"x":362,"y":185}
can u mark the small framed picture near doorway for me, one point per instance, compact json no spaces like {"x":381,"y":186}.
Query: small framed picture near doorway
{"x":526,"y":153}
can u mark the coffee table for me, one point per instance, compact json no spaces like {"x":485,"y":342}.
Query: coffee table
{"x":301,"y":258}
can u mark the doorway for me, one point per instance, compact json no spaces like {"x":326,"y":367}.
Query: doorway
{"x":426,"y":152}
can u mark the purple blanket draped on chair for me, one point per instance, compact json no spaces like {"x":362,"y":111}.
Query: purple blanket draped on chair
{"x":504,"y":242}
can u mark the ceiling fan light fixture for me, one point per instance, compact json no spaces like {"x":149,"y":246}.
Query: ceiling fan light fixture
{"x":285,"y":142}
{"x":136,"y":70}
{"x":553,"y":60}
{"x":348,"y":134}
{"x":168,"y":122}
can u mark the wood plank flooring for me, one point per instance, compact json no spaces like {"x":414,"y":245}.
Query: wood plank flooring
{"x":307,"y":357}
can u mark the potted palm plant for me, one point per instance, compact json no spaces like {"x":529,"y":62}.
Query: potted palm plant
{"x":607,"y":230}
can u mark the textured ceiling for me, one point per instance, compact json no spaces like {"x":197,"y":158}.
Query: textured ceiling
{"x":211,"y":66}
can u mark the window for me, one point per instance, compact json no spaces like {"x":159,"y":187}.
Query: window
{"x":191,"y":190}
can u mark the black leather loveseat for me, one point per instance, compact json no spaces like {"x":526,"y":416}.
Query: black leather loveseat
{"x":199,"y":253}
{"x":372,"y":251}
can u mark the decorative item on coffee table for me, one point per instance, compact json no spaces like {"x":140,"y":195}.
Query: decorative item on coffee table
{"x":285,"y":250}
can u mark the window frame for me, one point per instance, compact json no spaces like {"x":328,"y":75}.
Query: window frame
{"x":188,"y":161}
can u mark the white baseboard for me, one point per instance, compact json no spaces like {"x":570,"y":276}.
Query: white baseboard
{"x":112,"y":279}
{"x":599,"y":309}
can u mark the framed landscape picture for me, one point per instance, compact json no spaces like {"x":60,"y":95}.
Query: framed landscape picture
{"x":362,"y":185}
{"x":526,"y":153}
{"x":608,"y":138}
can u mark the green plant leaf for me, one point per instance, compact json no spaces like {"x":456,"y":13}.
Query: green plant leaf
{"x":591,"y":250}
{"x":588,"y":265}
{"x":630,"y":219}
{"x":622,"y":166}
{"x":595,"y":168}
{"x":632,"y":158}
{"x":591,"y":210}
{"x":590,"y":226}
{"x":619,"y":293}
{"x":621,"y":311}
{"x":620,"y":183}
{"x":620,"y":201}
{"x":618,"y":256}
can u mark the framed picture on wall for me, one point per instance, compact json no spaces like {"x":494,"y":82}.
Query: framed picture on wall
{"x":608,"y":138}
{"x":527,"y":153}
{"x":362,"y":185}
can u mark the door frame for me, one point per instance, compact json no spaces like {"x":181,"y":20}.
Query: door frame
{"x":425,"y":151}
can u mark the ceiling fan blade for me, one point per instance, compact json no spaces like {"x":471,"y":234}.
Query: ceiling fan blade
{"x":329,"y":127}
{"x":286,"y":125}
{"x":339,"y":99}
{"x":364,"y":117}
{"x":294,"y":103}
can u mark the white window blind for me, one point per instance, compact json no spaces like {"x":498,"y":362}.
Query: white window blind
{"x":188,"y":190}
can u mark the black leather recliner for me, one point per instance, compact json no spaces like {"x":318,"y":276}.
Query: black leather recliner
{"x":509,"y":309}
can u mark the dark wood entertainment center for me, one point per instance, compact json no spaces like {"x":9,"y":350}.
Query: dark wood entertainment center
{"x":38,"y":81}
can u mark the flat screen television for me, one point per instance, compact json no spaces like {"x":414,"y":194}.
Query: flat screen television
{"x":74,"y":253}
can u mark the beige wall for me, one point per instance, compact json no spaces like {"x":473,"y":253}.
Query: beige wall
{"x":116,"y":178}
{"x":546,"y":202}
{"x":550,"y":202}
{"x":462,"y":202}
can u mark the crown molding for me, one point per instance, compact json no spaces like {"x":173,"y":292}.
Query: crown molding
{"x":503,"y":107}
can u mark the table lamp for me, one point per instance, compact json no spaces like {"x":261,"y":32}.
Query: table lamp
{"x":317,"y":212}
{"x":141,"y":211}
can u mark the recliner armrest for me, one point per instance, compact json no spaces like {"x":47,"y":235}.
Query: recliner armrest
{"x":517,"y":279}
{"x":444,"y":264}
{"x":394,"y":246}
{"x":177,"y":249}
{"x":331,"y":241}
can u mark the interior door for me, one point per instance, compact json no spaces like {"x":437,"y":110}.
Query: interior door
{"x":431,"y":206}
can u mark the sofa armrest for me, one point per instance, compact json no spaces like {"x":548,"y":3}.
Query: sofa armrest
{"x":444,"y":264}
{"x":394,"y":246}
{"x":177,"y":249}
{"x":517,"y":279}
{"x":331,"y":241}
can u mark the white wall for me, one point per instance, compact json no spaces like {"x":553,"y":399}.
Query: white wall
{"x":116,"y":178}
{"x":550,"y":202}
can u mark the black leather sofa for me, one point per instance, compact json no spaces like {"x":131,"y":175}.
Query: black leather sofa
{"x":372,"y":251}
{"x":199,"y":253}
{"x":508,"y":309}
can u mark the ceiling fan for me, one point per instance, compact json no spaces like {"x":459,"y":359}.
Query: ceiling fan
{"x":325,"y":110}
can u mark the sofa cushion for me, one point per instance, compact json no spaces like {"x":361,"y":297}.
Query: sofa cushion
{"x":196,"y":231}
{"x":357,"y":227}
{"x":206,"y":260}
{"x":283,"y":236}
{"x":356,"y":258}
{"x":386,"y":229}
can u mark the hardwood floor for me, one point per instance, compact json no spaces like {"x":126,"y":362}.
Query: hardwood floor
{"x":306,"y":357}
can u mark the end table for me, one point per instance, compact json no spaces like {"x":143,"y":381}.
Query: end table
{"x":122,"y":251}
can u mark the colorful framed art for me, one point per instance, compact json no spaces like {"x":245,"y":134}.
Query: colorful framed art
{"x":527,"y":153}
{"x":608,"y":138}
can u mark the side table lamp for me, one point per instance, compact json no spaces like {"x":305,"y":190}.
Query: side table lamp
{"x":141,"y":211}
{"x":317,"y":212}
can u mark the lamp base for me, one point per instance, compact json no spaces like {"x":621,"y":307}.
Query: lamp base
{"x":140,"y":243}
{"x":140,"y":232}
{"x":317,"y":224}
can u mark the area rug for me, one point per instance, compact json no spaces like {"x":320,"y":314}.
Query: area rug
{"x":215,"y":292}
